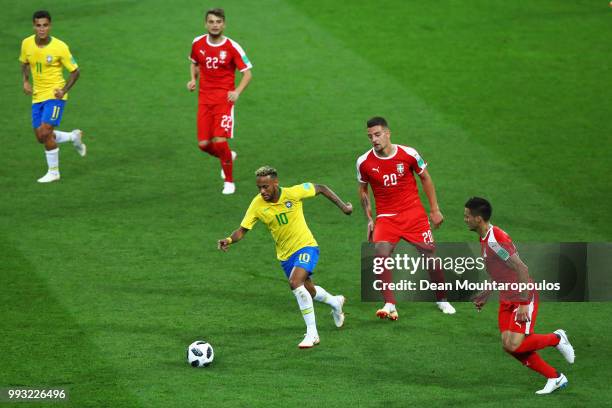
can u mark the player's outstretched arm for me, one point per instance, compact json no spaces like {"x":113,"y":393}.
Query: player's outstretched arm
{"x":430,"y":191}
{"x":346,"y":208}
{"x":364,"y":197}
{"x":74,"y":76}
{"x":223,"y":244}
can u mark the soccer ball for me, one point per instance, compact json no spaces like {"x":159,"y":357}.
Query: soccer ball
{"x":200,"y":354}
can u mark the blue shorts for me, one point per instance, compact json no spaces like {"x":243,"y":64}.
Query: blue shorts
{"x":306,"y":258}
{"x":49,"y":111}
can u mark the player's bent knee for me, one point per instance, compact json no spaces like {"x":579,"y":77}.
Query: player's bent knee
{"x":43,"y":133}
{"x":509,"y":346}
{"x":294,"y":284}
{"x":204,"y":145}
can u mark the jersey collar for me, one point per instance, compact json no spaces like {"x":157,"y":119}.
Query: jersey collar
{"x":215,"y":45}
{"x":488,"y":234}
{"x":392,"y":155}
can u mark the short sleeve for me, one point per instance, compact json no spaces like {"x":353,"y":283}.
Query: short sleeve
{"x":502,"y":246}
{"x":68,"y":60}
{"x":360,"y":177}
{"x":302,"y":191}
{"x":250,"y":218}
{"x":419,"y":163}
{"x":23,"y":58}
{"x":193,"y":56}
{"x":240,"y":58}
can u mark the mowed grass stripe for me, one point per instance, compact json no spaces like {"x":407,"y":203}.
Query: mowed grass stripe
{"x":511,"y":83}
{"x":43,"y":345}
{"x":139,"y":237}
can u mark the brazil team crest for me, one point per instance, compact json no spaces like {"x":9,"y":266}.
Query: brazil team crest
{"x":49,"y":59}
{"x":400,"y":168}
{"x":288,"y":204}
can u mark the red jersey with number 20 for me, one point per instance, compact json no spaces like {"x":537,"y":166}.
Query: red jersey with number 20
{"x":392,"y":179}
{"x":218,"y":64}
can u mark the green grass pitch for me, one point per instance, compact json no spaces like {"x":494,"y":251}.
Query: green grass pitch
{"x":107,"y":276}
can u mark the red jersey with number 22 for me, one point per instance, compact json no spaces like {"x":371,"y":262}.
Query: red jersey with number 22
{"x":392,"y":179}
{"x":218,"y":64}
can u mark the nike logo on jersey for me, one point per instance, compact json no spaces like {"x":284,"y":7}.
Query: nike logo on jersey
{"x":202,"y":52}
{"x":376,"y":169}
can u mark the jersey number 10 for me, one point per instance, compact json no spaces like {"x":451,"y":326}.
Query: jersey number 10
{"x":282,"y":218}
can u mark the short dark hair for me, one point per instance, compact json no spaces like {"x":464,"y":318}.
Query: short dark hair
{"x":377,"y":121}
{"x":219,"y":12}
{"x":41,"y":14}
{"x":264,"y":171}
{"x":479,"y":206}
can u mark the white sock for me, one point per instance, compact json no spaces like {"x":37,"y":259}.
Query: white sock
{"x":389,"y":306}
{"x":53,"y":160}
{"x":325,"y":297}
{"x":305,"y":303}
{"x":63,"y":137}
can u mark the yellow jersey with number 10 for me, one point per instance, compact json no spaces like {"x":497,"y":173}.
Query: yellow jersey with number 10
{"x":284,"y":219}
{"x":46,"y":65}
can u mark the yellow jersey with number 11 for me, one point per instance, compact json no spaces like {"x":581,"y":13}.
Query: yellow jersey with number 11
{"x":46,"y":65}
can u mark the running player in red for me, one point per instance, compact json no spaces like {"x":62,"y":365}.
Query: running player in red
{"x":517,"y":310}
{"x":215,"y":58}
{"x":388,"y":168}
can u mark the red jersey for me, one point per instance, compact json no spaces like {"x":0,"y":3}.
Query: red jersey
{"x":218,"y":64}
{"x":496,"y":249}
{"x":392,"y":179}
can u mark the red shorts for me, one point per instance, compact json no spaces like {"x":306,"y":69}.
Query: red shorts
{"x":215,"y":121}
{"x":506,"y":317}
{"x":412,"y":227}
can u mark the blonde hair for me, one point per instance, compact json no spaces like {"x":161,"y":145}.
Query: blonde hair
{"x":264,"y":171}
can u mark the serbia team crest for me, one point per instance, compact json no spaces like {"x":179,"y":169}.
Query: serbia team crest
{"x":400,"y":168}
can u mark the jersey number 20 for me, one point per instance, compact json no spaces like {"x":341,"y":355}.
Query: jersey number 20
{"x":389,"y":179}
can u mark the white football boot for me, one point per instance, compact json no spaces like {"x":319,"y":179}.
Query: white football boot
{"x":564,"y":346}
{"x":553,"y":384}
{"x":388,"y":311}
{"x":338,"y":315}
{"x":234,"y":154}
{"x":446,"y":307}
{"x":50,"y":177}
{"x":79,"y":146}
{"x":309,"y":341}
{"x":228,"y":188}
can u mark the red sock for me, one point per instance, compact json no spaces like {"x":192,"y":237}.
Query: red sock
{"x":225,"y":156}
{"x":208,"y":148}
{"x":387,"y":277}
{"x":535,"y":362}
{"x":535,"y":342}
{"x":437,"y":276}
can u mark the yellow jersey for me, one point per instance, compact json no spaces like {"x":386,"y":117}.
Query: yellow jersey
{"x":284,"y":219}
{"x":46,"y":65}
